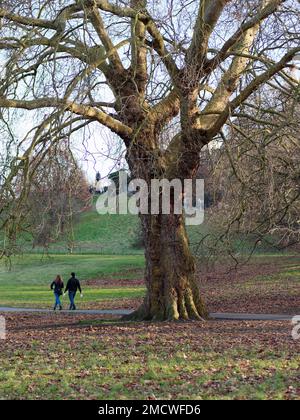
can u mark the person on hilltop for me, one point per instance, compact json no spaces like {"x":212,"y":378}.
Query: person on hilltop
{"x":72,"y":286}
{"x":57,"y":286}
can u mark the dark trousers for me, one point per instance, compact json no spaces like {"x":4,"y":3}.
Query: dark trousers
{"x":72,"y":295}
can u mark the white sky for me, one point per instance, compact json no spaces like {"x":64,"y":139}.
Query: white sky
{"x":96,"y":149}
{"x":100,"y":151}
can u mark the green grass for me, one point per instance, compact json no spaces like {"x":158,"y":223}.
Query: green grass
{"x":142,"y":362}
{"x":35,"y":297}
{"x":101,"y":234}
{"x":27,"y":282}
{"x":110,"y":234}
{"x":35,"y":269}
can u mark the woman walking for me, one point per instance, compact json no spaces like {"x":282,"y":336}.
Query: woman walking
{"x":57,"y":286}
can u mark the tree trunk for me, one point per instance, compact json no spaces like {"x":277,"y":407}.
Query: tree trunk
{"x":172,"y":290}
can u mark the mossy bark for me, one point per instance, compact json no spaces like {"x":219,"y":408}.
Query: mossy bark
{"x":172,"y":289}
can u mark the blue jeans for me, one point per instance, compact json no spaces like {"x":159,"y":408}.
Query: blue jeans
{"x":72,"y":300}
{"x":57,"y":300}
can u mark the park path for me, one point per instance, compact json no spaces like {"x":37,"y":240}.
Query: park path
{"x":220,"y":316}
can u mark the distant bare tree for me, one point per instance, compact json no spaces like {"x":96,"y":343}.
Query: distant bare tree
{"x":257,"y":170}
{"x":59,"y":193}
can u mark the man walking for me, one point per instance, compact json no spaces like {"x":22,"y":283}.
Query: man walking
{"x":72,"y":286}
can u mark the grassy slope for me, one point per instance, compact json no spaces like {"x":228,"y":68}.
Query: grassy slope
{"x":109,"y":234}
{"x":118,"y":235}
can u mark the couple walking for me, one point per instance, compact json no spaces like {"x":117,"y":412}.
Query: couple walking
{"x":72,"y":286}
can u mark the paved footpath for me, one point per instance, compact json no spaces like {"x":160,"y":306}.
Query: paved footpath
{"x":221,"y":316}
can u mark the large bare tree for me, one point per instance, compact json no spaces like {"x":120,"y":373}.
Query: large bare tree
{"x":138,"y":68}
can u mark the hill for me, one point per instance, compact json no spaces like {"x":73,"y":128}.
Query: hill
{"x":108,"y":234}
{"x":113,"y":234}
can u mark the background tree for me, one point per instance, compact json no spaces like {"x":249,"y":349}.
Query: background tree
{"x":257,"y":172}
{"x":59,"y":193}
{"x":139,"y":68}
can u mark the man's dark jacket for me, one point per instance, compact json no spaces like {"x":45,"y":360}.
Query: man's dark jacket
{"x":73,"y":285}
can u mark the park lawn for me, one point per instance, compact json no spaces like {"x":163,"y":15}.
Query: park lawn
{"x":109,"y":234}
{"x":34,"y":297}
{"x":31,"y":269}
{"x":267,"y":284}
{"x":195,"y":360}
{"x":76,"y":356}
{"x":26,"y":283}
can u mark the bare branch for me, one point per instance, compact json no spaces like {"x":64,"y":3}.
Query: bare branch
{"x":79,"y":109}
{"x":208,"y":16}
{"x":226,"y":49}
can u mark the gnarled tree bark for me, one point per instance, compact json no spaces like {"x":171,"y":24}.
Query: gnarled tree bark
{"x":170,"y":273}
{"x":172,"y":289}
